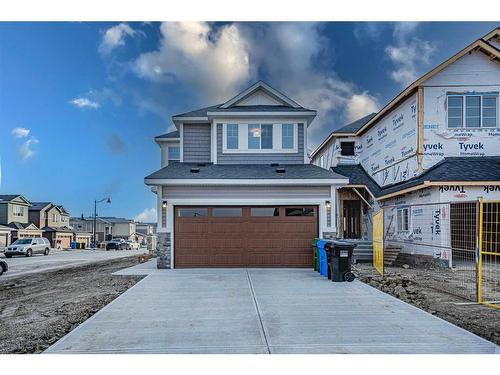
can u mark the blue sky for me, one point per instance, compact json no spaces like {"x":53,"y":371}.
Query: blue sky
{"x":80,"y":103}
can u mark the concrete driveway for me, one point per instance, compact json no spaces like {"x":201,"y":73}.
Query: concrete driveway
{"x":59,"y":259}
{"x":261,"y":311}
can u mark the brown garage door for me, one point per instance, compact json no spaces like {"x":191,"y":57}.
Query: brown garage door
{"x":245,"y":236}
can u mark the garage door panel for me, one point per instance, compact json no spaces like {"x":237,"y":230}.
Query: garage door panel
{"x":246,"y":240}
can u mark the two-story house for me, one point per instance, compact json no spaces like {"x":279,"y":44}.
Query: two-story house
{"x":54,"y":221}
{"x":424,"y":155}
{"x":242,"y":192}
{"x":14,"y":214}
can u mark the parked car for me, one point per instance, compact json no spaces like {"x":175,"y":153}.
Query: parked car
{"x":132,"y":245}
{"x":116,"y":245}
{"x":28,"y":247}
{"x":3,"y":267}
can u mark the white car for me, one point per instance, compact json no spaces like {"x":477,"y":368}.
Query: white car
{"x":28,"y":247}
{"x":132,"y":245}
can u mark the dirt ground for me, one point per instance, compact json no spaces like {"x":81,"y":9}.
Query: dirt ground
{"x":37,"y":310}
{"x":418,"y":287}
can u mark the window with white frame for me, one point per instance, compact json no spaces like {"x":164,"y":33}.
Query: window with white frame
{"x":403,"y":219}
{"x":18,"y":210}
{"x":260,"y":136}
{"x":472,"y":110}
{"x":287,"y":136}
{"x":174,"y":153}
{"x":232,"y":136}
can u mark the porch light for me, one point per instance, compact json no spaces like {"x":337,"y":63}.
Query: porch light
{"x":164,"y":204}
{"x":328,"y":204}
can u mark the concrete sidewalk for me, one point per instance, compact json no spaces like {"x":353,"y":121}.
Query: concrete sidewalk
{"x":261,"y":311}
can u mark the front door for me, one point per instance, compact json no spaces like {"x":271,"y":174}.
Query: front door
{"x":351,"y":218}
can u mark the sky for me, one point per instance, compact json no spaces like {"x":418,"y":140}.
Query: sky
{"x":80,"y":103}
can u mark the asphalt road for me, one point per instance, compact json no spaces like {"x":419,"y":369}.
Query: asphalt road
{"x":59,"y":259}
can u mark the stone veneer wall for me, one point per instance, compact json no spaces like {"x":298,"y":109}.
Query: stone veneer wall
{"x":163,"y":250}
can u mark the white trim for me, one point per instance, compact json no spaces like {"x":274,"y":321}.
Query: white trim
{"x":264,"y":114}
{"x":271,"y":182}
{"x":278,"y":137}
{"x":307,"y":160}
{"x":245,"y":202}
{"x":213,"y":147}
{"x":181,"y":143}
{"x":260,"y":85}
{"x":167,"y":139}
{"x":186,"y":119}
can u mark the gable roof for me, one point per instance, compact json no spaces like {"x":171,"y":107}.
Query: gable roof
{"x":38,"y":206}
{"x":10,"y":197}
{"x":18,"y":225}
{"x":289,"y":107}
{"x":449,"y":170}
{"x":182,"y":171}
{"x":481,"y":45}
{"x":261,"y":85}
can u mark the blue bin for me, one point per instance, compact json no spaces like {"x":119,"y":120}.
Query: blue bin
{"x":73,"y":245}
{"x":323,"y":265}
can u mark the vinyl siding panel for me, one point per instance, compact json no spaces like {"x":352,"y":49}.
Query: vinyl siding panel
{"x":3,"y":214}
{"x":246,"y":192}
{"x":196,"y":143}
{"x":264,"y":158}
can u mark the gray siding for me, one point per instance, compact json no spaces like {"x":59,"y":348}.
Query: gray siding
{"x":196,"y":143}
{"x":246,"y":192}
{"x":4,"y":208}
{"x":292,"y":158}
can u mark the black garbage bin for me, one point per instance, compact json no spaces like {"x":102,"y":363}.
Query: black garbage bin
{"x":339,"y":258}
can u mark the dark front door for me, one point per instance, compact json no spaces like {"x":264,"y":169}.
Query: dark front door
{"x":352,"y":218}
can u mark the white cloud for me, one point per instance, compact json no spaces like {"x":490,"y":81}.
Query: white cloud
{"x":409,"y":54}
{"x":216,"y":62}
{"x":213,"y":62}
{"x":26,"y":149}
{"x":20,"y":132}
{"x":115,"y":36}
{"x":360,"y":105}
{"x":85,"y":103}
{"x":147,"y":215}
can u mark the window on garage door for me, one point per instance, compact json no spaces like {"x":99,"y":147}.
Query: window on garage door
{"x":264,"y":211}
{"x":299,"y":211}
{"x":193,"y":212}
{"x":227,"y":212}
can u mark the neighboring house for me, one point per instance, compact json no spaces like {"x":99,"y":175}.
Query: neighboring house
{"x":106,"y":227}
{"x":81,"y":225}
{"x":14,"y":214}
{"x":243,"y":192}
{"x":54,"y":221}
{"x":436,"y":144}
{"x":149,"y":232}
{"x":5,"y":232}
{"x":122,"y":228}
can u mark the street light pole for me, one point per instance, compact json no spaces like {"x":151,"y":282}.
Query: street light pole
{"x":108,"y":200}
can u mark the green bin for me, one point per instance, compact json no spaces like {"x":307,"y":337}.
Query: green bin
{"x":315,"y":254}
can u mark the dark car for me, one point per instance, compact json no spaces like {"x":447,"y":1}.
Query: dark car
{"x":3,"y":267}
{"x":116,"y":245}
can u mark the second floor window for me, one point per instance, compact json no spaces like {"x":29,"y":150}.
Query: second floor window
{"x":260,"y":136}
{"x":347,"y":148}
{"x":287,"y":136}
{"x":472,"y":111}
{"x":174,"y":153}
{"x":18,"y":211}
{"x":232,"y":135}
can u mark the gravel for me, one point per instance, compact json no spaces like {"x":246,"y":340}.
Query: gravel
{"x":37,"y":310}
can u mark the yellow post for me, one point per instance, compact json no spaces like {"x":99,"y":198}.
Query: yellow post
{"x":378,"y":241}
{"x":480,"y":255}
